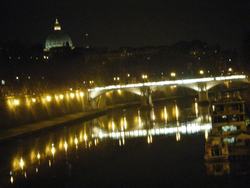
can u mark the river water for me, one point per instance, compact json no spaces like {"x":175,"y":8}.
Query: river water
{"x":133,"y":147}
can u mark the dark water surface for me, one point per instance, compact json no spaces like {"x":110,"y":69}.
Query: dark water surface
{"x":161,"y":147}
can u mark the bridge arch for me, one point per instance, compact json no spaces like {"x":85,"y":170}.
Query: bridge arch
{"x":95,"y":94}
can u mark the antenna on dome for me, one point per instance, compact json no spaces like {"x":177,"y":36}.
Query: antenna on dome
{"x":57,"y":26}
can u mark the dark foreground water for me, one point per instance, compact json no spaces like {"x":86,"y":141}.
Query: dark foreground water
{"x":161,"y":147}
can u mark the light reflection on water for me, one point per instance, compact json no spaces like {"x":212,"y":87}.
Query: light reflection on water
{"x":118,"y":126}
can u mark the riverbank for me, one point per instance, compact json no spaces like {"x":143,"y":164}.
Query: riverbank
{"x":25,"y":130}
{"x":66,"y":120}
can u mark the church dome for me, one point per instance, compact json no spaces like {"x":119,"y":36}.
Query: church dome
{"x":58,"y":38}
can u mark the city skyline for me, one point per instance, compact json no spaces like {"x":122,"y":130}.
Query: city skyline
{"x":116,"y":24}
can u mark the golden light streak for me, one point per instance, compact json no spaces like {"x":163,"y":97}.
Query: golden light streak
{"x":38,"y":156}
{"x":65,"y":145}
{"x":53,"y":150}
{"x":21,"y":163}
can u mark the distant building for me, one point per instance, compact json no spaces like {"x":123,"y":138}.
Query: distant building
{"x":58,"y":39}
{"x":86,"y":44}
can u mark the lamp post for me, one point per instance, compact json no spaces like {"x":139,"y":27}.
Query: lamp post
{"x":144,"y":77}
{"x":173,"y":74}
{"x":201,"y":72}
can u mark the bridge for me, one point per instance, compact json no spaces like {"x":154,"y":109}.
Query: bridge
{"x":145,"y":89}
{"x":90,"y":97}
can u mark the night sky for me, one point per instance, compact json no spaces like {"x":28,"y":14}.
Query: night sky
{"x":128,"y":22}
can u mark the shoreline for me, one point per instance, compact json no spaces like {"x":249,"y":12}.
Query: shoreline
{"x":57,"y":122}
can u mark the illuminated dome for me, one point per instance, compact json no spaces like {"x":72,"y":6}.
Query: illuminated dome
{"x":58,"y":38}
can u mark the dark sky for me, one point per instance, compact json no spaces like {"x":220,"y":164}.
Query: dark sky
{"x":128,"y":22}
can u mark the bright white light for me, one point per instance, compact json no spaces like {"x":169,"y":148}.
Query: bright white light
{"x":188,"y":128}
{"x":172,"y":74}
{"x":201,"y":72}
{"x":94,"y":91}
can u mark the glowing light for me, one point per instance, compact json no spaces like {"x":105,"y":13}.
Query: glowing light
{"x":116,"y":78}
{"x":196,"y":109}
{"x":33,"y":100}
{"x":21,"y":163}
{"x":48,"y":98}
{"x":76,"y":141}
{"x":81,"y":136}
{"x":173,"y":74}
{"x":124,"y":123}
{"x":213,"y":107}
{"x":168,"y":82}
{"x":201,"y":72}
{"x":81,"y":94}
{"x":232,"y":77}
{"x":165,"y":114}
{"x":113,"y":125}
{"x":57,"y":98}
{"x":95,"y":142}
{"x":176,"y":112}
{"x":149,"y":139}
{"x":53,"y":150}
{"x":38,"y":156}
{"x":16,"y":102}
{"x":144,"y":76}
{"x":152,"y":114}
{"x":187,"y":128}
{"x":119,"y":91}
{"x":28,"y":102}
{"x":139,"y":119}
{"x":85,"y":137}
{"x":65,"y":145}
{"x":178,"y":136}
{"x":230,"y":69}
{"x":206,"y":134}
{"x":57,"y":26}
{"x":11,"y":180}
{"x":49,"y":163}
{"x":61,"y":96}
{"x":72,"y":95}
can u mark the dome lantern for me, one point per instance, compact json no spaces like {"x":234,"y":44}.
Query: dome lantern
{"x":57,"y":26}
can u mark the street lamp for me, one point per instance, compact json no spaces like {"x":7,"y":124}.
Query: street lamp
{"x":201,"y":72}
{"x":116,"y":78}
{"x":173,"y":74}
{"x":144,"y":76}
